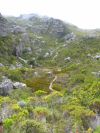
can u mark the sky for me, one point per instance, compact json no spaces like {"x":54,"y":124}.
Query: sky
{"x":82,"y":13}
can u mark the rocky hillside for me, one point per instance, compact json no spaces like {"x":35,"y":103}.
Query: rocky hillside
{"x":49,"y":76}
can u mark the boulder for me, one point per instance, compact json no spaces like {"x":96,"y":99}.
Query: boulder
{"x":22,"y":104}
{"x":97,"y":57}
{"x":70,"y":36}
{"x":19,"y":85}
{"x":1,"y":65}
{"x":97,"y":74}
{"x":95,"y":122}
{"x":67,"y":59}
{"x":17,"y":50}
{"x":36,"y":74}
{"x":12,"y":67}
{"x":19,"y":65}
{"x":6,"y":86}
{"x":6,"y":111}
{"x":46,"y":55}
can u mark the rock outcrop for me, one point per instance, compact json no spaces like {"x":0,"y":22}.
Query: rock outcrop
{"x":45,"y":25}
{"x":19,"y":85}
{"x":3,"y":26}
{"x":1,"y":65}
{"x":69,"y":37}
{"x":6,"y":86}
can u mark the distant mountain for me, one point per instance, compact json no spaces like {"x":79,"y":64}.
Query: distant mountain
{"x":43,"y":25}
{"x":32,"y":35}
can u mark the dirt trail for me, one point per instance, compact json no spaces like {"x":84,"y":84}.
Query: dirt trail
{"x":51,"y":84}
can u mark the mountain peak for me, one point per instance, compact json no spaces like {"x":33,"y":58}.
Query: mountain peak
{"x":28,"y":16}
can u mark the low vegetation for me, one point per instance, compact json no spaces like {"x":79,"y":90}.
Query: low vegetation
{"x":73,"y":103}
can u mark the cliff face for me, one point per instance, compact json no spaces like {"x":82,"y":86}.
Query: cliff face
{"x":53,"y":27}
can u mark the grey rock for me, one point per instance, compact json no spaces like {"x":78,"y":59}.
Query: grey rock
{"x":19,"y":85}
{"x":17,"y":50}
{"x":6,"y":111}
{"x":67,"y":59}
{"x":54,"y":27}
{"x":97,"y":74}
{"x":96,"y":121}
{"x":3,"y":26}
{"x":18,"y":29}
{"x":70,"y":36}
{"x":12,"y":67}
{"x":23,"y":45}
{"x":19,"y":65}
{"x":46,"y":55}
{"x":97,"y":57}
{"x":89,"y":55}
{"x":6,"y":86}
{"x":57,"y":27}
{"x":1,"y":65}
{"x":22,"y":103}
{"x":36,"y":74}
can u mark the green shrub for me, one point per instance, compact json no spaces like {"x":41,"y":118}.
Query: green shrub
{"x":29,"y":126}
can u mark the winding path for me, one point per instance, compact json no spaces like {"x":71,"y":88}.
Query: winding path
{"x":51,"y":84}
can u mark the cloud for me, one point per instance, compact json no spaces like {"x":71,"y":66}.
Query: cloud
{"x":83,"y":13}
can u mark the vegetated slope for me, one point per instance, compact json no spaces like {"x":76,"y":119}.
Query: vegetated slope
{"x":33,"y":51}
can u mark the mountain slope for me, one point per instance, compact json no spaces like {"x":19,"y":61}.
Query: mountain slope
{"x":49,"y":76}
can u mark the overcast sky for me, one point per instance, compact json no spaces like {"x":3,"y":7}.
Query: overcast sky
{"x":82,"y":13}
